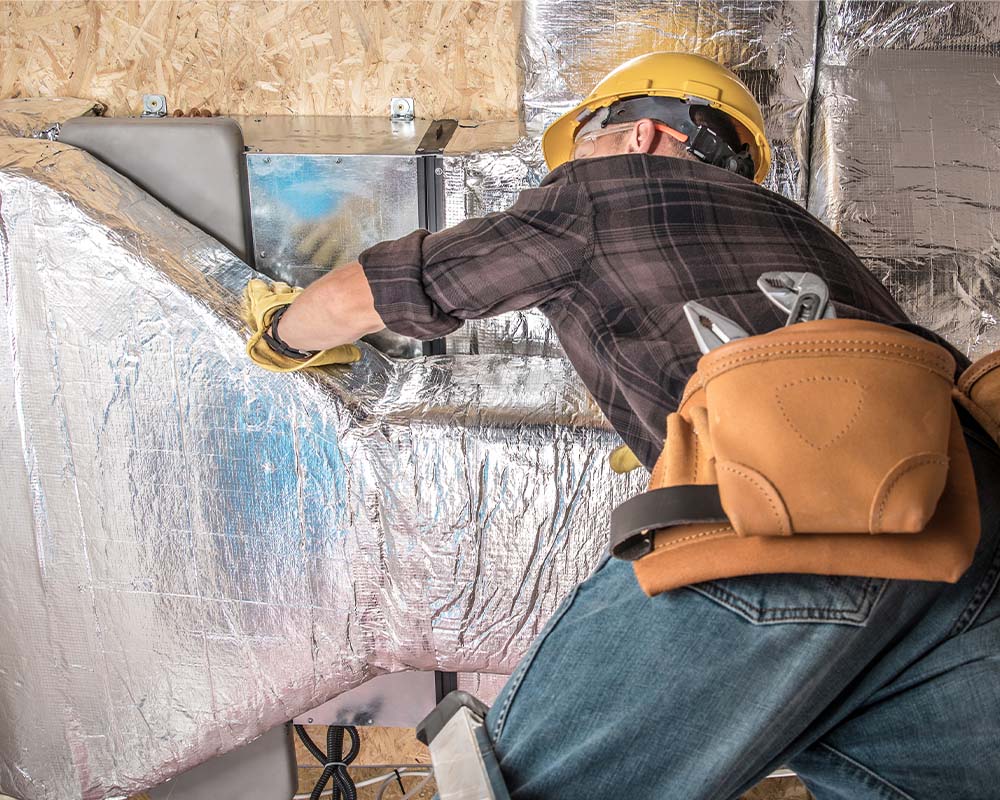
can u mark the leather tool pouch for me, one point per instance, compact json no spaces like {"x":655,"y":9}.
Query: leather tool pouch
{"x":978,"y":390}
{"x":838,"y":430}
{"x":828,"y":429}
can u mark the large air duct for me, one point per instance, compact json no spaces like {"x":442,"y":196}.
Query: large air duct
{"x":196,"y":550}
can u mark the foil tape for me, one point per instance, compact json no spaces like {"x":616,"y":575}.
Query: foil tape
{"x":196,"y":550}
{"x":566,"y":48}
{"x":40,"y":117}
{"x":906,"y":148}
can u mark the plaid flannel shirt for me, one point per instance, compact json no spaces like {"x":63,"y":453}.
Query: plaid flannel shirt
{"x":610,"y":249}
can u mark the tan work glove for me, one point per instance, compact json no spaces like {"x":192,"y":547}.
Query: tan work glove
{"x":260,"y":301}
{"x":623,"y":460}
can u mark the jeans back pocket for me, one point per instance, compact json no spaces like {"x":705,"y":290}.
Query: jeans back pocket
{"x":774,"y":599}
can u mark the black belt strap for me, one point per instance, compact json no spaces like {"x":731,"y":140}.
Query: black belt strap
{"x":635,"y":520}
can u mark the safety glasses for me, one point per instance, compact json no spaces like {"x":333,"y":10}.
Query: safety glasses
{"x":585,"y":146}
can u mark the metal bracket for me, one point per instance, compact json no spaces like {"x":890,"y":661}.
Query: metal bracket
{"x":154,"y":105}
{"x":402,"y":108}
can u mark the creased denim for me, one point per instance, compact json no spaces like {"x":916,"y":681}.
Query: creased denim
{"x":868,"y":688}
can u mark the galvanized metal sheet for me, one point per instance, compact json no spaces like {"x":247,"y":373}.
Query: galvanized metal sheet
{"x":315,"y":135}
{"x":311,"y":213}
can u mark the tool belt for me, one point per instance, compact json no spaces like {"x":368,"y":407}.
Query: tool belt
{"x":830,"y":447}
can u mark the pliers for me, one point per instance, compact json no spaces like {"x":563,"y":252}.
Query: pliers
{"x":803,"y":296}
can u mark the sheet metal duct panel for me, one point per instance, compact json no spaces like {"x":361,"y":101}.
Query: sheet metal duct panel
{"x":906,"y":154}
{"x":396,"y":700}
{"x":323,"y":189}
{"x":305,"y":135}
{"x":313,"y":212}
{"x":193,"y":166}
{"x":199,"y":549}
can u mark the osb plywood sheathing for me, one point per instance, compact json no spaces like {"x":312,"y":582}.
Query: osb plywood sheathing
{"x":456,"y":57}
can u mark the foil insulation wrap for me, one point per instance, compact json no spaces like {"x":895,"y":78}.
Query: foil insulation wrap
{"x":40,"y":117}
{"x":196,"y":550}
{"x":906,"y":156}
{"x":566,"y":48}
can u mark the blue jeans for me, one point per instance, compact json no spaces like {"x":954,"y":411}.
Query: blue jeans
{"x":867,"y":688}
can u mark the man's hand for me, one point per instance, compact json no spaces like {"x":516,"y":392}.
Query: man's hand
{"x":260,"y":302}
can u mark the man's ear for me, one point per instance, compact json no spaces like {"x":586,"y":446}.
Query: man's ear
{"x":643,"y":137}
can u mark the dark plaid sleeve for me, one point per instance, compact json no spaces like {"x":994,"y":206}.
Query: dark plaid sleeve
{"x":426,"y":284}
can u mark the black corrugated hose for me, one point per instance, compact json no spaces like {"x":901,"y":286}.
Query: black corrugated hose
{"x":333,"y":760}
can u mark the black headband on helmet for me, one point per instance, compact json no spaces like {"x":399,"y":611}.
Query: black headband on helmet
{"x":704,"y":143}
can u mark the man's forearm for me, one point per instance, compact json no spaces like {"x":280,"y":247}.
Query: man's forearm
{"x":334,"y":310}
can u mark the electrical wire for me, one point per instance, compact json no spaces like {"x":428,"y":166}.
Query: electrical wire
{"x":412,"y":771}
{"x":406,"y":795}
{"x":333,"y":761}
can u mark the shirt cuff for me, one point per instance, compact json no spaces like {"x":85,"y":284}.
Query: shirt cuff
{"x":395,"y":273}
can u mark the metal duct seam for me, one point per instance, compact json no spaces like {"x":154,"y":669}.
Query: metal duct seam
{"x":197,"y":550}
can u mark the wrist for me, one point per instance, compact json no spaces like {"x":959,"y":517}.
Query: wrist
{"x":279,"y":345}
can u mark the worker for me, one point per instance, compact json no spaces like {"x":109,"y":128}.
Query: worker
{"x":873,"y":673}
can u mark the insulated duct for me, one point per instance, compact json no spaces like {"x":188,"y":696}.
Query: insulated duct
{"x":566,"y":48}
{"x":195,"y":549}
{"x":485,"y":168}
{"x":906,"y":156}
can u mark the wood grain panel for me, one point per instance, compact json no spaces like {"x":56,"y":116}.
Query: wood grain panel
{"x":456,"y":57}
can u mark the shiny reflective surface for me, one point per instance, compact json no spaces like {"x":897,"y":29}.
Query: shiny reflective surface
{"x":196,"y":550}
{"x":311,"y":213}
{"x":906,"y":158}
{"x":200,"y":549}
{"x":487,"y":177}
{"x":305,"y":134}
{"x":567,"y":48}
{"x":38,"y":116}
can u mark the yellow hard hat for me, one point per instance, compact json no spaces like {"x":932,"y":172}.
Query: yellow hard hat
{"x":663,"y":74}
